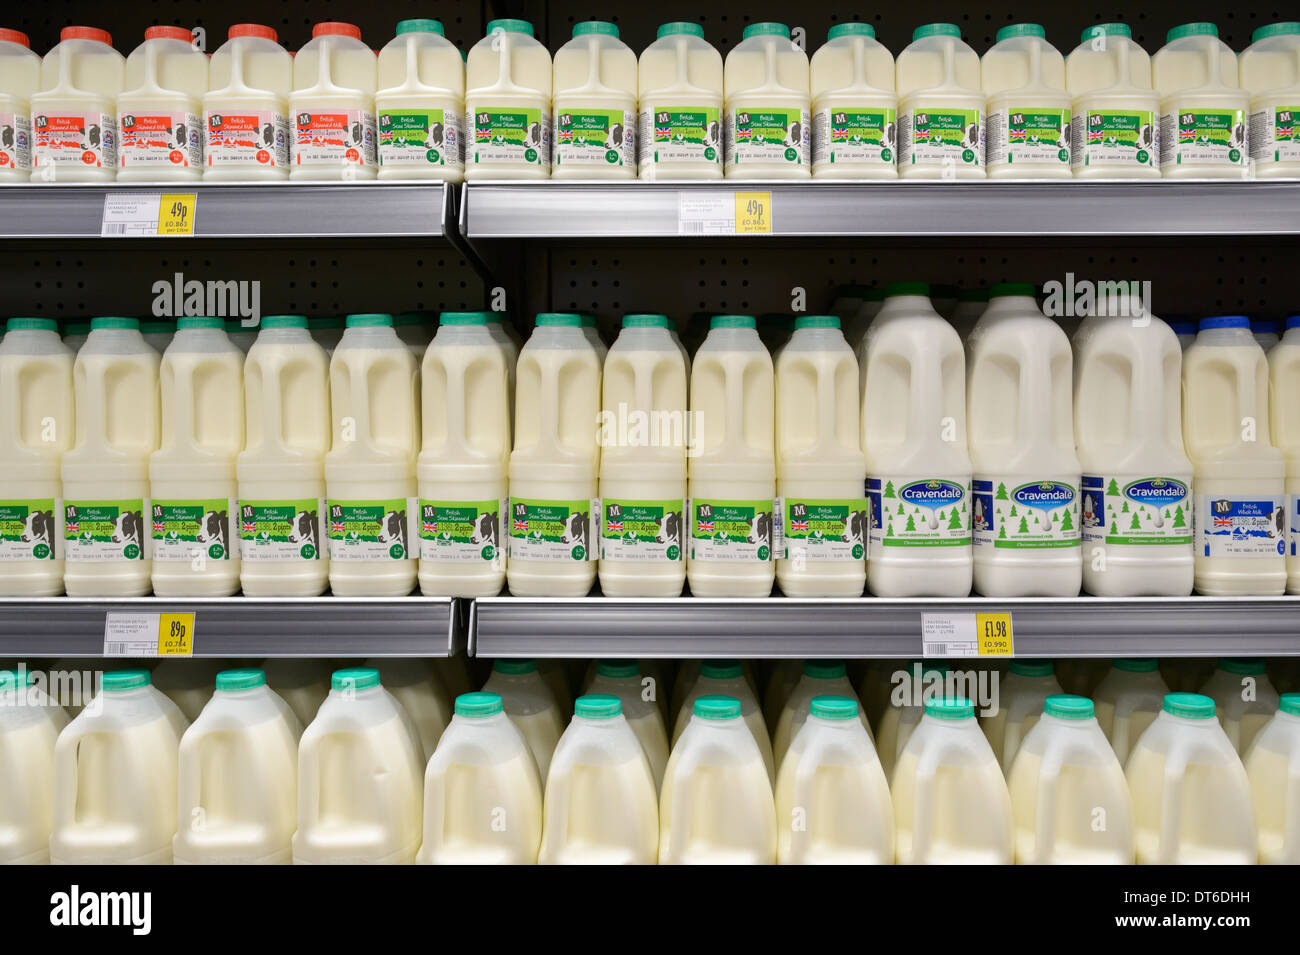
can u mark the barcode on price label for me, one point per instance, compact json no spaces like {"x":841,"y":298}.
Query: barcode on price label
{"x":966,"y":635}
{"x":706,"y":213}
{"x":148,"y":634}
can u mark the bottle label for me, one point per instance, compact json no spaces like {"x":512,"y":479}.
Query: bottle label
{"x":1029,"y":136}
{"x":75,"y":139}
{"x":29,"y":529}
{"x":1273,"y":134}
{"x":104,"y":530}
{"x":819,"y":530}
{"x":460,"y":531}
{"x":1295,"y":526}
{"x":731,"y":530}
{"x":552,"y":530}
{"x":917,"y":511}
{"x":1241,"y":527}
{"x":1037,"y":514}
{"x":370,"y":530}
{"x":246,"y":138}
{"x":595,"y":137}
{"x":162,"y":139}
{"x":931,"y":137}
{"x":188,"y":530}
{"x":677,"y":134}
{"x":767,"y":135}
{"x":1115,"y":137}
{"x":421,"y":137}
{"x":642,"y":530}
{"x":336,"y":137}
{"x":280,"y":530}
{"x":15,"y":142}
{"x":510,"y":135}
{"x":866,"y":137}
{"x":1215,"y":137}
{"x":1133,"y":509}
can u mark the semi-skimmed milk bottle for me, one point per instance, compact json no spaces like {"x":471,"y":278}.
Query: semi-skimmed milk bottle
{"x":1026,"y":472}
{"x":727,"y":678}
{"x":941,"y":106}
{"x":1270,"y":72}
{"x":554,"y":464}
{"x":716,"y":806}
{"x":115,"y":776}
{"x":74,"y":115}
{"x":1028,"y":106}
{"x":595,"y":105}
{"x":626,"y":680}
{"x":531,"y":705}
{"x":1191,"y":797}
{"x":1127,"y":701}
{"x":1284,"y":415}
{"x":1022,"y":690}
{"x":508,"y":102}
{"x":333,"y":105}
{"x":679,"y":126}
{"x":36,"y":428}
{"x":1273,"y":768}
{"x":106,"y":473}
{"x":906,"y":706}
{"x":765,"y":80}
{"x":420,"y":105}
{"x":1244,"y":699}
{"x":1116,"y":114}
{"x":461,"y":469}
{"x":159,"y":108}
{"x":819,"y":678}
{"x":20,"y":77}
{"x":1239,"y":477}
{"x":30,"y":723}
{"x":416,"y":685}
{"x":246,"y":110}
{"x":1203,"y":112}
{"x":854,"y":108}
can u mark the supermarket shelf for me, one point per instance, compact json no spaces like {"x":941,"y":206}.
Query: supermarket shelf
{"x":870,"y":627}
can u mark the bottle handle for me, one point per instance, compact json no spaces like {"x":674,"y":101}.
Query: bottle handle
{"x":1171,"y":803}
{"x":922,"y":804}
{"x":682,"y":782}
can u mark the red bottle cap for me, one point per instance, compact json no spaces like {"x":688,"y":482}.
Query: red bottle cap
{"x":253,"y":29}
{"x":15,"y":36}
{"x":336,"y":28}
{"x":85,"y":33}
{"x":168,"y":33}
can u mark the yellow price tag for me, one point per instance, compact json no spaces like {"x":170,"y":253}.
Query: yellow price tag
{"x":176,"y":213}
{"x":993,"y":631}
{"x":175,"y":634}
{"x":753,"y":213}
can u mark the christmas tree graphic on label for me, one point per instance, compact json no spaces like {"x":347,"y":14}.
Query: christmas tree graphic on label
{"x":1036,"y":514}
{"x":1119,"y":509}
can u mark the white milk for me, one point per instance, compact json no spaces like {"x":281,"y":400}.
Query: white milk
{"x":420,"y":105}
{"x":679,"y":128}
{"x":239,"y":777}
{"x":899,"y":720}
{"x":1244,"y":699}
{"x":332,"y":106}
{"x":767,"y":105}
{"x":187,"y":683}
{"x":1273,"y":768}
{"x":1069,"y":798}
{"x":1026,"y":472}
{"x":106,"y":473}
{"x":1116,"y":113}
{"x":1021,"y":692}
{"x":359,"y":777}
{"x":733,"y":472}
{"x":416,"y":685}
{"x":1284,"y":421}
{"x":482,"y":794}
{"x":716,"y":806}
{"x":1028,"y":107}
{"x":1191,"y":798}
{"x":951,"y":804}
{"x":74,"y":115}
{"x":1239,"y":477}
{"x":282,"y":468}
{"x":302,"y":683}
{"x":30,"y":724}
{"x":36,"y":428}
{"x":595,"y":105}
{"x":727,"y":678}
{"x":20,"y":77}
{"x":508,"y":101}
{"x":1270,"y":73}
{"x":158,"y":113}
{"x":465,"y":416}
{"x":644,"y":429}
{"x":553,"y":466}
{"x":1128,"y":699}
{"x":628,"y":681}
{"x":971,"y":304}
{"x":854,"y":109}
{"x":531,"y":705}
{"x":832,"y":800}
{"x":819,"y":678}
{"x":246,"y":111}
{"x":913,"y":401}
{"x":1203,"y":112}
{"x":115,"y":770}
{"x":941,"y":107}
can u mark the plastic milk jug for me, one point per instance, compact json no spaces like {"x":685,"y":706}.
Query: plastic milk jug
{"x":420,"y":105}
{"x":727,"y":678}
{"x":1273,"y":768}
{"x":246,"y":111}
{"x":74,"y":115}
{"x":1270,"y":73}
{"x":20,"y":77}
{"x":1203,"y":112}
{"x":531,"y":705}
{"x":1024,"y":687}
{"x":1185,"y":330}
{"x":1284,"y":415}
{"x":679,"y":127}
{"x":416,"y":685}
{"x":627,"y":680}
{"x":906,"y":706}
{"x":595,"y":105}
{"x":1127,"y":699}
{"x":302,"y":683}
{"x":187,"y":683}
{"x":1028,"y":106}
{"x":854,"y":108}
{"x":30,"y":724}
{"x":159,"y":109}
{"x":508,"y":101}
{"x":1244,"y":699}
{"x":819,"y":678}
{"x":941,"y":117}
{"x":1116,"y":113}
{"x":767,"y":104}
{"x":333,"y":105}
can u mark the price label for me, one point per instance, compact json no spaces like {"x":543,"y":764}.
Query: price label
{"x":176,"y":213}
{"x":967,"y":635}
{"x":753,"y":213}
{"x":136,"y":214}
{"x":994,"y":631}
{"x":149,"y":635}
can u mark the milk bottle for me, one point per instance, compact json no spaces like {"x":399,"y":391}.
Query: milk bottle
{"x":553,"y":467}
{"x":1191,"y":798}
{"x":555,"y":674}
{"x":246,"y":111}
{"x":765,"y":79}
{"x":36,"y":428}
{"x":595,"y":105}
{"x":359,"y":772}
{"x":106,"y":473}
{"x":30,"y":724}
{"x":716,"y":806}
{"x":1026,"y":473}
{"x":1185,"y":330}
{"x":1023,"y":689}
{"x":187,"y":683}
{"x":819,"y":678}
{"x":1244,"y":700}
{"x":115,"y":775}
{"x":282,"y":468}
{"x":970,"y":306}
{"x":679,"y":83}
{"x":530,"y":704}
{"x":1284,"y":419}
{"x":416,"y":685}
{"x":1203,"y":111}
{"x":727,"y":678}
{"x":643,"y":435}
{"x":1028,"y":107}
{"x":464,"y":454}
{"x":481,"y":775}
{"x":1265,"y":333}
{"x":918,"y":470}
{"x":159,"y":108}
{"x":941,"y":117}
{"x":951,"y":804}
{"x":1116,"y":114}
{"x":1127,"y":700}
{"x":1270,"y":73}
{"x":626,"y":680}
{"x":781,"y":681}
{"x":240,"y":336}
{"x":1240,"y":525}
{"x":924,"y":681}
{"x":1065,"y":780}
{"x":873,"y":301}
{"x":302,"y":683}
{"x":238,"y":770}
{"x":370,"y":470}
{"x":74,"y":115}
{"x":420,"y":105}
{"x":854,"y":107}
{"x":333,"y":105}
{"x":508,"y":99}
{"x":20,"y":77}
{"x":1136,"y":484}
{"x":1273,"y":768}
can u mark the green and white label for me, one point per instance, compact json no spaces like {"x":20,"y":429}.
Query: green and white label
{"x":1136,"y":509}
{"x":185,"y":530}
{"x":421,"y":137}
{"x":1115,"y":137}
{"x":281,"y":530}
{"x":1274,"y":136}
{"x":1215,"y":137}
{"x":731,"y":530}
{"x":29,"y":529}
{"x":930,"y":137}
{"x":552,"y":530}
{"x":675,"y":134}
{"x":104,"y":530}
{"x":767,"y":135}
{"x":918,"y":510}
{"x":370,"y":530}
{"x":855,"y":136}
{"x":821,"y":530}
{"x":507,"y":134}
{"x":1029,"y":136}
{"x":642,"y":530}
{"x":1018,"y":514}
{"x":461,"y":531}
{"x":595,"y":137}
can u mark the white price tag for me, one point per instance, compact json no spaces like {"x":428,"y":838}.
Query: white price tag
{"x":706,"y":213}
{"x":148,"y":634}
{"x":966,"y":635}
{"x":130,"y":214}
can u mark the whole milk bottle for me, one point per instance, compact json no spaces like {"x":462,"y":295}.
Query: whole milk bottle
{"x":905,"y":709}
{"x":818,"y":678}
{"x":246,"y":110}
{"x":159,"y":108}
{"x":20,"y":77}
{"x":765,"y":80}
{"x":531,"y":704}
{"x":624,"y":679}
{"x":595,"y":105}
{"x":333,"y":105}
{"x":417,"y":686}
{"x":1028,"y":107}
{"x":1273,"y":768}
{"x":941,"y":107}
{"x":1127,"y":701}
{"x":1022,"y":692}
{"x":1244,"y":699}
{"x":508,"y":100}
{"x":1284,"y":421}
{"x":854,"y":109}
{"x":679,"y":86}
{"x":74,"y":114}
{"x":1203,"y":112}
{"x":1115,"y":124}
{"x":420,"y":104}
{"x":30,"y":723}
{"x":1270,"y":72}
{"x":727,"y":678}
